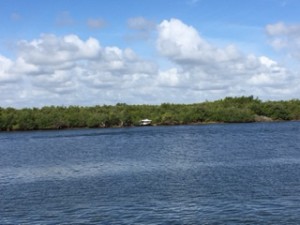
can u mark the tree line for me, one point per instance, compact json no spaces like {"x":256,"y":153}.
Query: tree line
{"x":227,"y":110}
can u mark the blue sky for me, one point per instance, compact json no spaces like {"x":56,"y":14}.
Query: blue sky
{"x":72,"y":52}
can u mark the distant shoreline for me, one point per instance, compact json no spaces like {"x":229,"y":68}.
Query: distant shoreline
{"x":228,"y":110}
{"x":153,"y":125}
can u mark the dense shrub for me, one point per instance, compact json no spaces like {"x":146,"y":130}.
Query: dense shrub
{"x":228,"y":110}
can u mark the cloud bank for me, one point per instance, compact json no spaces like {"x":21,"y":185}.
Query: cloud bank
{"x":200,"y":65}
{"x":67,"y":70}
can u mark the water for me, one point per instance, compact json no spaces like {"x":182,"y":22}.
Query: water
{"x":207,"y":174}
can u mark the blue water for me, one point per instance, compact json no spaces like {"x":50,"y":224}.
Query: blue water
{"x":206,"y":174}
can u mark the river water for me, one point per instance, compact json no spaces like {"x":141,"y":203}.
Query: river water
{"x":202,"y":174}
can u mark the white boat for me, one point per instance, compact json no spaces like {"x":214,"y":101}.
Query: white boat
{"x":145,"y":122}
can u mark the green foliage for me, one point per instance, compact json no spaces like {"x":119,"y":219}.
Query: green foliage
{"x":228,"y":110}
{"x":233,"y":115}
{"x":277,"y":110}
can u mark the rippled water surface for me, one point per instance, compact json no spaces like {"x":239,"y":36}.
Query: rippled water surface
{"x":206,"y":174}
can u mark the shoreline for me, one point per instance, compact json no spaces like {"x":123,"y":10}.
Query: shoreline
{"x":228,"y":110}
{"x":153,"y":125}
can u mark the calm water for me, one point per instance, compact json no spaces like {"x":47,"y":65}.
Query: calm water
{"x":208,"y":174}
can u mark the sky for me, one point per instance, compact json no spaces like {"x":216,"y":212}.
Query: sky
{"x":93,"y":52}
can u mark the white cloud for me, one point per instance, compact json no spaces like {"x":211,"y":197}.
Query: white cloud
{"x":283,"y":29}
{"x":52,"y":50}
{"x":182,"y":43}
{"x":23,"y":67}
{"x":69,"y":70}
{"x":54,"y":70}
{"x":285,"y":37}
{"x":170,"y":77}
{"x":5,"y":66}
{"x":202,"y":66}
